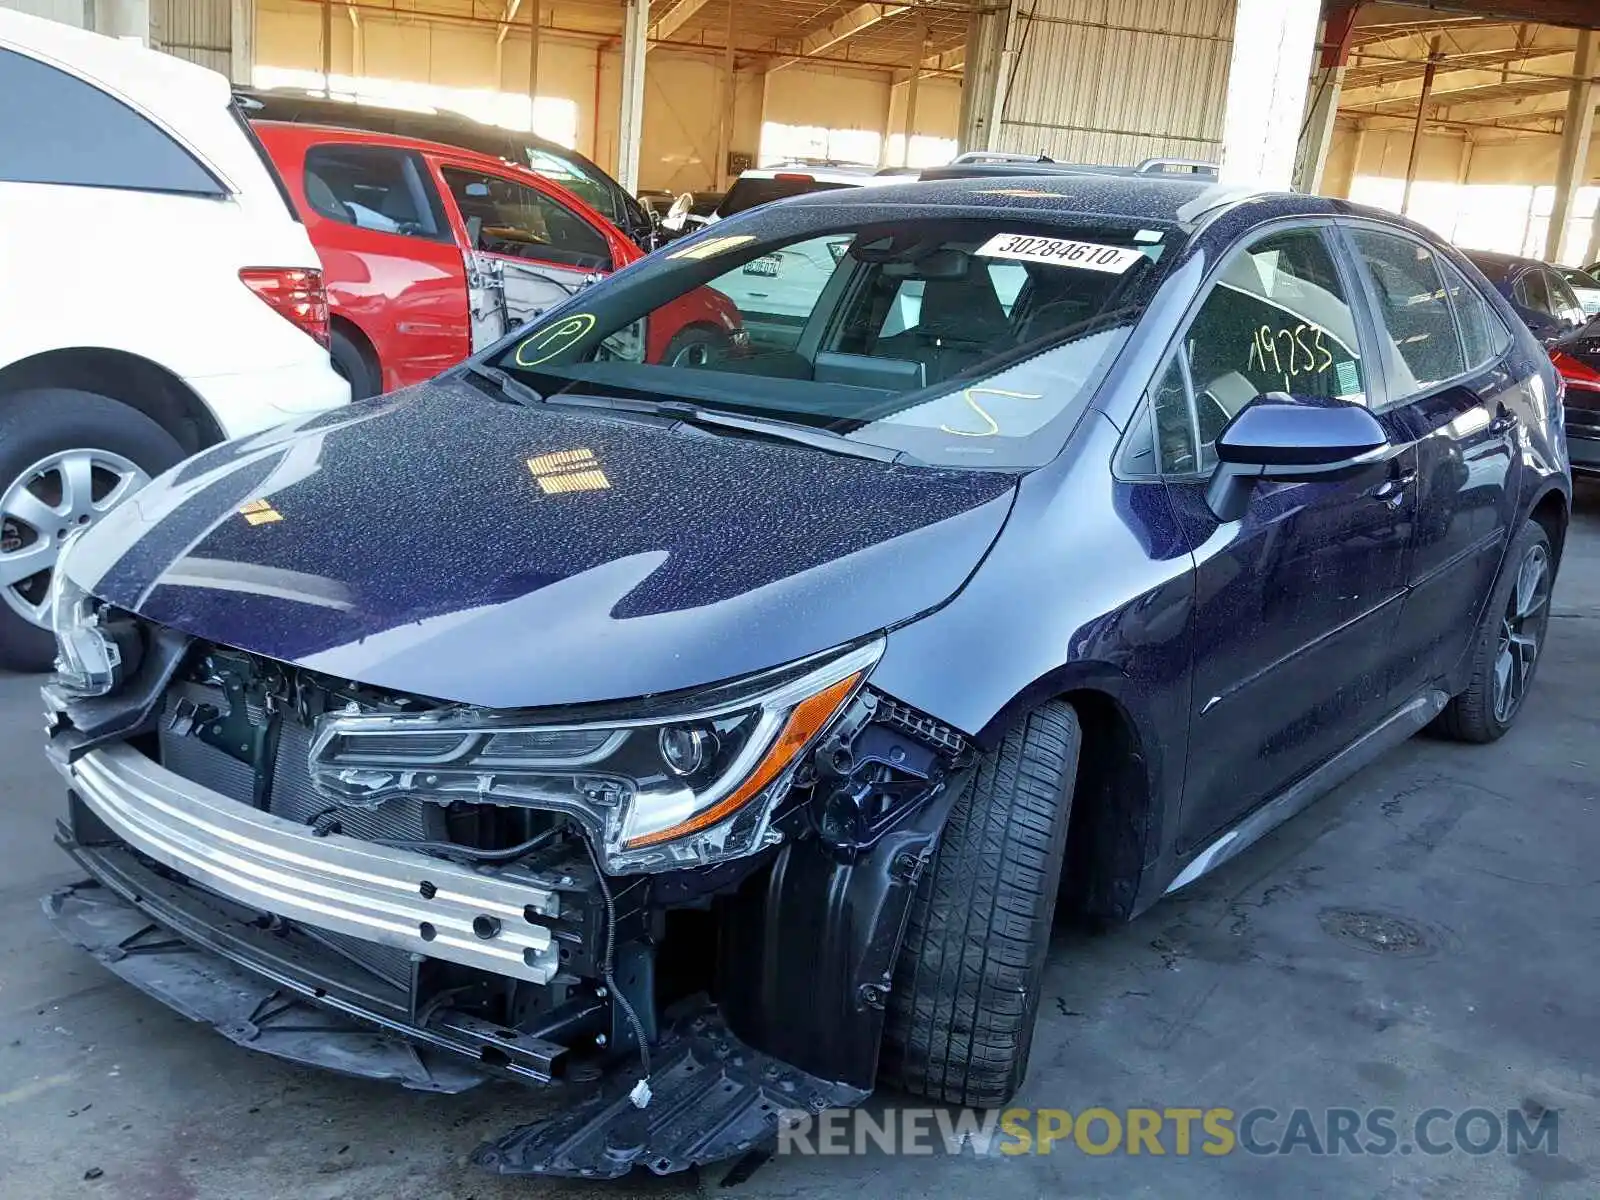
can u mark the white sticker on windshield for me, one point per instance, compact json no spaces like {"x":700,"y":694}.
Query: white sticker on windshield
{"x":1060,"y":252}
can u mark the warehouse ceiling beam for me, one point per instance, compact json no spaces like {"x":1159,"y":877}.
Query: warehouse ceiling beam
{"x":857,"y":21}
{"x":675,"y":18}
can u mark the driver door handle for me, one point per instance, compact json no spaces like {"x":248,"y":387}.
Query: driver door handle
{"x":1393,"y":489}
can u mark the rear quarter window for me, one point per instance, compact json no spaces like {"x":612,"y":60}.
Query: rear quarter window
{"x":77,"y":135}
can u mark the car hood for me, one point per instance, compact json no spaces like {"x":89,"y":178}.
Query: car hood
{"x":440,"y":543}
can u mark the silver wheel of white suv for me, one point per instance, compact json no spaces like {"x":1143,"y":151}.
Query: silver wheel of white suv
{"x":67,"y":458}
{"x":58,"y":494}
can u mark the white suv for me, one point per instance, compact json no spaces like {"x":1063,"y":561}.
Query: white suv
{"x":157,"y":293}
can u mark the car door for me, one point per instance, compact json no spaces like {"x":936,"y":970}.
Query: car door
{"x":1448,"y":380}
{"x":525,"y":249}
{"x":389,"y":259}
{"x":1295,"y":604}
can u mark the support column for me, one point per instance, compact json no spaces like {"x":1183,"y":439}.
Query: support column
{"x":1435,"y":54}
{"x":635,"y":25}
{"x":533,"y":63}
{"x":984,"y":74}
{"x":1337,"y":28}
{"x":911,"y":101}
{"x":241,"y":41}
{"x":1273,"y":42}
{"x":720,"y":178}
{"x":327,"y":47}
{"x":1572,"y":172}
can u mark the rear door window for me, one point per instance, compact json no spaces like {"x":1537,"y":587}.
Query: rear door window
{"x":515,"y":220}
{"x":76,"y":135}
{"x":375,"y":188}
{"x":1414,"y":315}
{"x":1531,"y":291}
{"x":1483,"y":335}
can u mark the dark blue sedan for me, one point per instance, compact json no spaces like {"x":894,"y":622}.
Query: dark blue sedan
{"x":730,"y":732}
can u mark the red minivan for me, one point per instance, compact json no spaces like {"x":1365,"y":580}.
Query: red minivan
{"x":430,"y":252}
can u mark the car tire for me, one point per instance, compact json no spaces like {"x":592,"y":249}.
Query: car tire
{"x":1508,"y":644}
{"x":358,"y":370}
{"x":965,"y":992}
{"x":696,"y":346}
{"x":52,"y":428}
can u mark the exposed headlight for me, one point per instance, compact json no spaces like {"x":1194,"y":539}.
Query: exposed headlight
{"x":657,"y":791}
{"x":87,"y":658}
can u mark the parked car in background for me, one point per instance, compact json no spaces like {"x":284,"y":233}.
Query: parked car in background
{"x":1585,"y":287}
{"x":732,"y":730}
{"x":554,"y":161}
{"x":159,"y":293}
{"x":431,"y":251}
{"x":1577,"y":357}
{"x":1536,"y":290}
{"x":775,"y":293}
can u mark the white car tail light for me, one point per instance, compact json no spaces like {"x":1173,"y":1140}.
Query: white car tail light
{"x":295,"y":292}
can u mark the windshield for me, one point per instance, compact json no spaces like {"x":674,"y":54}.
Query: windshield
{"x":972,"y":341}
{"x":595,"y":191}
{"x":752,"y":191}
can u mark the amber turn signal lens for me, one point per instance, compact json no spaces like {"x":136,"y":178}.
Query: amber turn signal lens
{"x":804,"y":723}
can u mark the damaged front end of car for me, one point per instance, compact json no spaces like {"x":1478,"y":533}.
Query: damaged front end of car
{"x":691,"y":903}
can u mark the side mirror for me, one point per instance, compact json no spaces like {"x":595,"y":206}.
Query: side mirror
{"x":678,"y":215}
{"x":1283,"y":440}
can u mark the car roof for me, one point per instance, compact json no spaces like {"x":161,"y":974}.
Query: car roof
{"x":1169,"y":199}
{"x":306,"y":134}
{"x":289,"y":106}
{"x":1498,"y":266}
{"x":826,"y":174}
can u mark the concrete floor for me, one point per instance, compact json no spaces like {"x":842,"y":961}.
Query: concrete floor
{"x":1234,"y":994}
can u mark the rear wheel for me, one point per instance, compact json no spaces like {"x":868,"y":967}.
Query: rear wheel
{"x":1510,"y":638}
{"x":966,"y":987}
{"x":66,"y":459}
{"x":351,"y":362}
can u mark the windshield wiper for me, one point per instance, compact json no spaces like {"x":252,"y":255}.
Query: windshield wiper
{"x":763,"y":427}
{"x":506,"y":387}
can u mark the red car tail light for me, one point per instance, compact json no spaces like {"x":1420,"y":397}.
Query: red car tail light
{"x":1579,"y":380}
{"x":295,"y":292}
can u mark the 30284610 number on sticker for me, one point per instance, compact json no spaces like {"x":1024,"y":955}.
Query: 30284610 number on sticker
{"x":1060,"y":252}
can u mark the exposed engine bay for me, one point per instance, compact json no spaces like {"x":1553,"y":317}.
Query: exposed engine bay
{"x":397,"y":888}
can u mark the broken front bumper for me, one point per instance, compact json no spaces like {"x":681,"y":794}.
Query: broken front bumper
{"x":397,"y":898}
{"x":224,"y":913}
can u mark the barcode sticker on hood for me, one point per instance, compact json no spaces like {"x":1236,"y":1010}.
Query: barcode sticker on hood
{"x":1060,"y":252}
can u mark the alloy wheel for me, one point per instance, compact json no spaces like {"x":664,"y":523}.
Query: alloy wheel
{"x":1521,"y":631}
{"x":695,"y":354}
{"x":41,"y":507}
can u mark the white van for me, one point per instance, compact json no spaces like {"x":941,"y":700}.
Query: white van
{"x":157,"y":292}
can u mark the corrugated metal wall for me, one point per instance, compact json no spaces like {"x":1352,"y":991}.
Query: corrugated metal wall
{"x":198,"y":30}
{"x":1116,"y":81}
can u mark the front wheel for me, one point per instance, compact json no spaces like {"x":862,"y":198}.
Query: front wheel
{"x":1509,"y":640}
{"x":66,"y":459}
{"x":965,"y":993}
{"x":697,"y":346}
